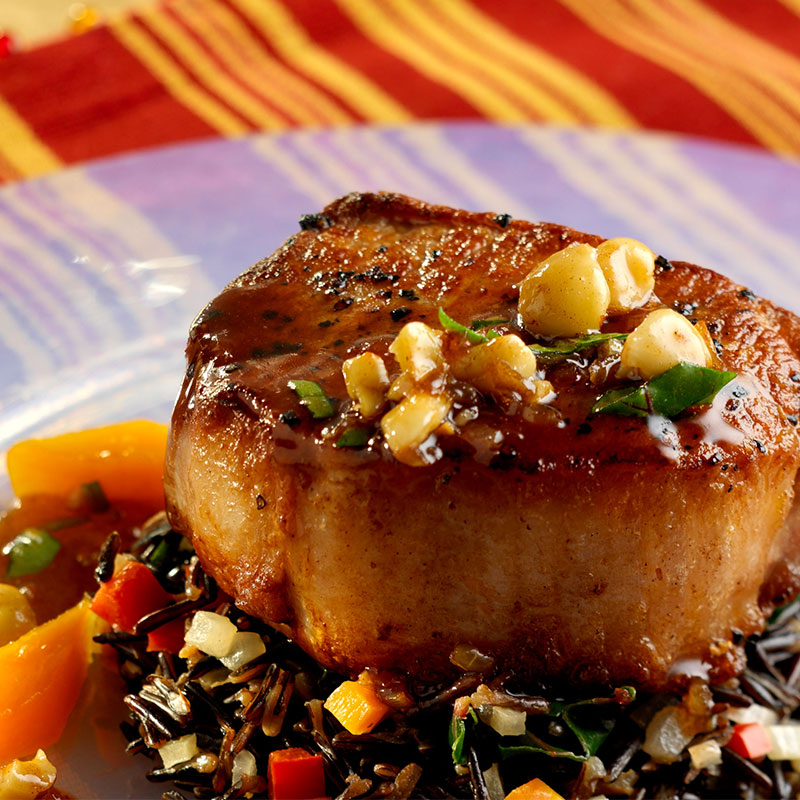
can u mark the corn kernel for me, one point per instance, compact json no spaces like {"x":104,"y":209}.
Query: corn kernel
{"x":476,"y":365}
{"x":660,"y":341}
{"x":566,"y":294}
{"x":629,"y":268}
{"x":412,"y":421}
{"x":16,"y":614}
{"x":366,"y":381}
{"x":418,"y":350}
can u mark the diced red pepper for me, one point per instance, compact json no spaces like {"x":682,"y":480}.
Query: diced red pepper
{"x":169,"y":637}
{"x":751,"y":740}
{"x":132,"y":593}
{"x":295,"y":774}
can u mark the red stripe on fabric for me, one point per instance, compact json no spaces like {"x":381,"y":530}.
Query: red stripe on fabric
{"x":301,"y":97}
{"x":334,"y":31}
{"x":768,"y":19}
{"x":88,"y":96}
{"x":656,"y":97}
{"x":259,"y":98}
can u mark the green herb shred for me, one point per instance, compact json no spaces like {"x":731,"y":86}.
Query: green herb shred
{"x":353,"y":437}
{"x":566,"y":347}
{"x":313,"y":398}
{"x":30,"y":552}
{"x":449,"y":324}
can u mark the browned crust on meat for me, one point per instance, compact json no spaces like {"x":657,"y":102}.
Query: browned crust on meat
{"x":328,"y":294}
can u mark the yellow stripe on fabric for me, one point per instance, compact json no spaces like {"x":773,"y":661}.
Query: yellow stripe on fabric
{"x":209,"y":73}
{"x":534,"y":100}
{"x":382,"y":28}
{"x":765,"y":64}
{"x":792,"y":5}
{"x":688,"y":30}
{"x":253,"y":65}
{"x":294,"y":44}
{"x":614,"y":21}
{"x":175,"y":80}
{"x":526,"y":59}
{"x":21,"y":147}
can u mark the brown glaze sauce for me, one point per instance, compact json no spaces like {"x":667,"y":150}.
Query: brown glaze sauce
{"x":81,"y":533}
{"x":293,"y":316}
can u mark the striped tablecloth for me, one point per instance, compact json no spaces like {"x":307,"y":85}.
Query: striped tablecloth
{"x":188,"y":69}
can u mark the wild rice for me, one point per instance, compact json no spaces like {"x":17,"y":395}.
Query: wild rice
{"x":276,"y":701}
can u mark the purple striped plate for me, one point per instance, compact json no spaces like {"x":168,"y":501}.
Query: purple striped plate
{"x":103,"y":266}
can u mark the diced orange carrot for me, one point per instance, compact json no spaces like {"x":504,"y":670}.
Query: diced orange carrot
{"x":127,"y":460}
{"x":534,"y":790}
{"x":42,"y":675}
{"x":357,"y":706}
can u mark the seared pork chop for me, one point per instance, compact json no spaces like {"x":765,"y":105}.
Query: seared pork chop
{"x":595,"y":547}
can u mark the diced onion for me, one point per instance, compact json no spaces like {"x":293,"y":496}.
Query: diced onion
{"x":244,"y":648}
{"x":212,"y":633}
{"x":706,"y":754}
{"x":494,"y":784}
{"x":753,"y":713}
{"x":665,"y":738}
{"x":506,"y":721}
{"x":244,"y":766}
{"x":178,"y":750}
{"x":785,"y":742}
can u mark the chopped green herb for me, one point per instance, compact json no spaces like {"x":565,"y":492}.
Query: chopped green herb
{"x":93,"y":497}
{"x":589,"y":725}
{"x":64,"y":522}
{"x":353,"y":437}
{"x":30,"y":552}
{"x":480,"y":324}
{"x":449,"y":324}
{"x":668,"y":394}
{"x":313,"y":398}
{"x":566,"y":347}
{"x":457,"y":735}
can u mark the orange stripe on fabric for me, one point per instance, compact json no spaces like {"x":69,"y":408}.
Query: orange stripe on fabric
{"x":235,"y":46}
{"x":208,"y":72}
{"x":175,"y":79}
{"x":755,"y":111}
{"x":384,"y":29}
{"x":496,"y":44}
{"x":21,"y":148}
{"x":297,"y":48}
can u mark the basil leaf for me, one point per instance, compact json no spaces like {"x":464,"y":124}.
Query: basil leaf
{"x":353,"y":437}
{"x":566,"y":347}
{"x":589,"y":724}
{"x":90,"y":496}
{"x":590,"y":731}
{"x":457,"y":735}
{"x":313,"y":398}
{"x":668,"y":394}
{"x":449,"y":324}
{"x":30,"y":552}
{"x":530,"y":743}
